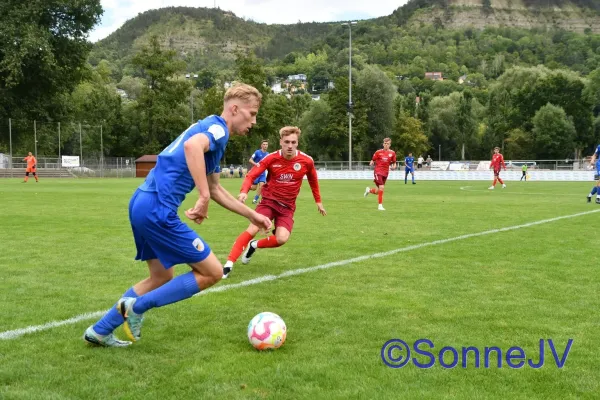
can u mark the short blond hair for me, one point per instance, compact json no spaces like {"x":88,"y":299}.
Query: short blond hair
{"x":387,"y":139}
{"x":243,"y":92}
{"x":289,"y":130}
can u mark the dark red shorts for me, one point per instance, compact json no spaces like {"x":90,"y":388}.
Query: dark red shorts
{"x":496,"y":172}
{"x":282,"y":215}
{"x":380,"y":179}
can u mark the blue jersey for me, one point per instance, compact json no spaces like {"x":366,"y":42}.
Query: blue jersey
{"x":170,"y":178}
{"x":597,"y":154}
{"x":409,"y":161}
{"x":259,"y":155}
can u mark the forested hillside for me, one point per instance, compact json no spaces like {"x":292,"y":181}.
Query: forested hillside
{"x":532,"y":89}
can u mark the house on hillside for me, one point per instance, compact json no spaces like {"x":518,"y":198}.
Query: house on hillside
{"x":434,"y":76}
{"x":297,"y":77}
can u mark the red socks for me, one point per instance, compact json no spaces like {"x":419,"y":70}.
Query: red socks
{"x":239,"y":246}
{"x":501,"y":181}
{"x":267,"y":243}
{"x":380,"y":197}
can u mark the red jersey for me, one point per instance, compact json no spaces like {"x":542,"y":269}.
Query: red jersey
{"x":284,"y":178}
{"x":383,"y":159}
{"x":498,"y":161}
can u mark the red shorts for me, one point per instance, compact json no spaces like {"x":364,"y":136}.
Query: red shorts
{"x":380,"y":179}
{"x":496,"y":172}
{"x":273,"y":210}
{"x":30,"y":169}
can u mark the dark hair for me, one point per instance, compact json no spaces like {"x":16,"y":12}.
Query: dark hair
{"x":264,"y":140}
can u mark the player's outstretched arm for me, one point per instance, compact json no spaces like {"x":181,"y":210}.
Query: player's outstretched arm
{"x":254,"y":173}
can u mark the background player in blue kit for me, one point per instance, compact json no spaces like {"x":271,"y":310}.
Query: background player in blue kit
{"x":161,"y":238}
{"x":595,"y":162}
{"x":409,"y":166}
{"x":262,"y":179}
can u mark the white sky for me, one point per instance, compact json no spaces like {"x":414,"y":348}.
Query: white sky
{"x":116,"y":12}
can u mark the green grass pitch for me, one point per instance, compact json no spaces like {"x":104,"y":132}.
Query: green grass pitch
{"x":66,"y":249}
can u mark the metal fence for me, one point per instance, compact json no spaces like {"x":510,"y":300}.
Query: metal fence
{"x":51,"y":139}
{"x":90,"y":167}
{"x":124,"y":167}
{"x":472,"y":165}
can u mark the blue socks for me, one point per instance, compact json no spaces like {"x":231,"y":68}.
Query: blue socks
{"x":256,"y":198}
{"x":594,"y":191}
{"x":112,"y":319}
{"x":180,"y":288}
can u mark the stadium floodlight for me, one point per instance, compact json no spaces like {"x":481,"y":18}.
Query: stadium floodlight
{"x":350,"y":105}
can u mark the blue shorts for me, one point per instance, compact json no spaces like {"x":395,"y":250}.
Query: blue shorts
{"x":159,"y":233}
{"x":261,"y":178}
{"x":407,"y":170}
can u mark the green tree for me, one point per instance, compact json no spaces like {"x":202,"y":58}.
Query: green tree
{"x":592,"y":90}
{"x":315,"y":136}
{"x":453,"y":125}
{"x":409,"y":136}
{"x":133,"y":87}
{"x":554,"y":132}
{"x":466,"y":123}
{"x":518,"y":145}
{"x":338,"y":128}
{"x":377,"y":92}
{"x":161,"y":103}
{"x":43,"y":50}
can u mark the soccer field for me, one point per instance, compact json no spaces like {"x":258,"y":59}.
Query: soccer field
{"x":451,"y":262}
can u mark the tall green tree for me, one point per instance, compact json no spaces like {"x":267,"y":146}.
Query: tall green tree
{"x":377,"y":92}
{"x":163,"y":115}
{"x":592,"y":90}
{"x":554,"y":133}
{"x":338,"y":125}
{"x":467,"y":125}
{"x":249,"y":70}
{"x":409,"y":136}
{"x":43,"y":49}
{"x":315,"y":136}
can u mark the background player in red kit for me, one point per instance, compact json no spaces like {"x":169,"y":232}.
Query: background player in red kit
{"x":496,"y":164}
{"x":286,"y":170}
{"x":383,"y":159}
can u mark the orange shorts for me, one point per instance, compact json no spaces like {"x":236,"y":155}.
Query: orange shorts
{"x":30,"y":169}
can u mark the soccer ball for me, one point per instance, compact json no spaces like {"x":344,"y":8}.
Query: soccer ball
{"x":267,"y":331}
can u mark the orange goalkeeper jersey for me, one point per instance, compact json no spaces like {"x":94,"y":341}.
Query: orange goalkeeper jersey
{"x":31,"y":161}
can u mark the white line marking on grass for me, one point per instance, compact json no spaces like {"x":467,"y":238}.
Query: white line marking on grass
{"x":54,"y":324}
{"x":7,"y":335}
{"x":467,"y":189}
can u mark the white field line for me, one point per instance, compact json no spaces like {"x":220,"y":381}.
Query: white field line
{"x":7,"y":335}
{"x":468,"y":189}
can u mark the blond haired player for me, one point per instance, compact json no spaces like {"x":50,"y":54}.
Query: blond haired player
{"x":162,"y":240}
